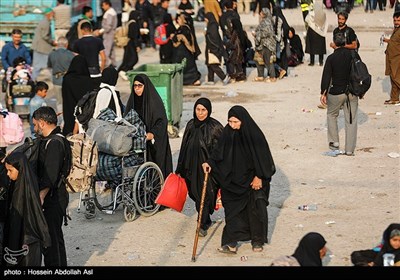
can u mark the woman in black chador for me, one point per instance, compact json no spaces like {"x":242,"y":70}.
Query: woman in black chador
{"x":76,"y":83}
{"x":167,"y":50}
{"x":185,"y":47}
{"x":200,"y":138}
{"x":145,"y":100}
{"x":243,"y":166}
{"x":296,"y":48}
{"x":214,"y":46}
{"x":26,"y":231}
{"x":236,"y":47}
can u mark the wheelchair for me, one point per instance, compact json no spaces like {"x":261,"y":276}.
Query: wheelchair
{"x":137,"y":192}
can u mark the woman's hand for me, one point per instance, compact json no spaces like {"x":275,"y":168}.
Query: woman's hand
{"x":206,"y":167}
{"x":256,"y":184}
{"x":149,"y":136}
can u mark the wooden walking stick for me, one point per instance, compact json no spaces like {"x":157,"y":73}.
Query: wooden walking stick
{"x":203,"y":195}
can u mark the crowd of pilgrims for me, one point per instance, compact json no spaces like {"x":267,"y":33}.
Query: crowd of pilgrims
{"x":226,"y":40}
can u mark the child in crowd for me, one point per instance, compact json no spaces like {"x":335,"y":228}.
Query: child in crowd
{"x":374,"y":257}
{"x":38,"y":100}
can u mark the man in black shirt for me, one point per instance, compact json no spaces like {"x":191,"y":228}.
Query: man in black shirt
{"x":53,"y":194}
{"x":348,"y":32}
{"x":334,"y":85}
{"x":91,"y":47}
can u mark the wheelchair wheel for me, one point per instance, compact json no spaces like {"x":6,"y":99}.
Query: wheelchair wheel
{"x":147,"y":184}
{"x":104,"y":197}
{"x":130,"y":213}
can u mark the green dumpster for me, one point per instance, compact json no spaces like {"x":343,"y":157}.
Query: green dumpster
{"x":168,"y":81}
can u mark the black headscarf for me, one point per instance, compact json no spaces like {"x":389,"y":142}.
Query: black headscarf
{"x":235,"y":147}
{"x":109,"y":76}
{"x":138,"y":100}
{"x":277,"y":12}
{"x":307,"y":252}
{"x":152,"y":112}
{"x":78,"y":67}
{"x":134,"y":15}
{"x":207,"y":104}
{"x":26,"y":222}
{"x":237,"y":26}
{"x":387,"y":248}
{"x":210,"y":17}
{"x":258,"y":145}
{"x":167,"y":18}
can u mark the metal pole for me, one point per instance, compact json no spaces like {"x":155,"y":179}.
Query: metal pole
{"x":203,"y":195}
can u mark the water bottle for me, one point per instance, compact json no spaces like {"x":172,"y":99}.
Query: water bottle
{"x":308,"y":207}
{"x":381,"y":40}
{"x":388,"y":259}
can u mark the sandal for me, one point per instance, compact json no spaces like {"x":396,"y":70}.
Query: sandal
{"x":258,"y":248}
{"x":258,"y":79}
{"x":391,"y":102}
{"x":227,"y":250}
{"x":196,"y":83}
{"x":270,"y":80}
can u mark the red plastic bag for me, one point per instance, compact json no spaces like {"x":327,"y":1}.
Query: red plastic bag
{"x":174,"y":192}
{"x":218,"y":203}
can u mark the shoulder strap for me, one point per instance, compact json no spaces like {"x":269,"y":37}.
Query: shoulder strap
{"x":59,"y":138}
{"x":116,"y":101}
{"x":51,"y":136}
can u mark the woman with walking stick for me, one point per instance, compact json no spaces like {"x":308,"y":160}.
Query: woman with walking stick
{"x":242,"y":165}
{"x":199,"y":140}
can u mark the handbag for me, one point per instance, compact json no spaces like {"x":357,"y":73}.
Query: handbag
{"x":258,"y":58}
{"x":114,"y":138}
{"x":174,"y":192}
{"x":213,"y":59}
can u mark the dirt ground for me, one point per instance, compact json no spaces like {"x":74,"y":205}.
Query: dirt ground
{"x":357,"y":197}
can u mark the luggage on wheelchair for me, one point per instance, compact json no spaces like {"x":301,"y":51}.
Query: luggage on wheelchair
{"x":109,"y":166}
{"x":117,"y":137}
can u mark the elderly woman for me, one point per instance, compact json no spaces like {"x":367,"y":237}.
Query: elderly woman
{"x":199,"y":140}
{"x":242,"y":165}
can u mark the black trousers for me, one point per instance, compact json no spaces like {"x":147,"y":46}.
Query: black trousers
{"x":215,"y":69}
{"x":321,"y":59}
{"x":55,"y":255}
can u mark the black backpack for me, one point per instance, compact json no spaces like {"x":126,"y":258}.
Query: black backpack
{"x":360,"y":79}
{"x":84,"y":109}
